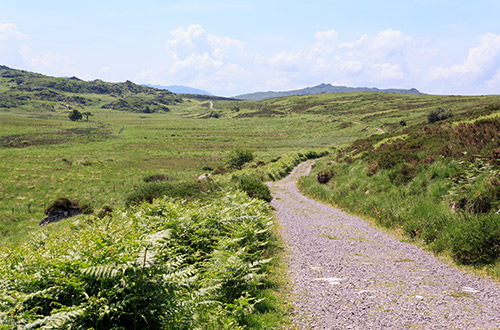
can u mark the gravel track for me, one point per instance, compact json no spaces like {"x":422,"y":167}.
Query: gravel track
{"x":345,"y":274}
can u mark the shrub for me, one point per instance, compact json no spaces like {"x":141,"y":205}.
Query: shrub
{"x":476,"y":188}
{"x":75,"y":115}
{"x":254,"y":188}
{"x":476,"y":239}
{"x":221,"y":170}
{"x":402,"y":174}
{"x":63,"y":208}
{"x":238,"y":157}
{"x":157,"y":177}
{"x":325,"y":176}
{"x":153,"y":190}
{"x":438,"y":114}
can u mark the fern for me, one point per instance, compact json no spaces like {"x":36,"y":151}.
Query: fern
{"x":57,"y":320}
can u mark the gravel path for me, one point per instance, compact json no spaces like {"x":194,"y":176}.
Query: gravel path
{"x":346,"y":274}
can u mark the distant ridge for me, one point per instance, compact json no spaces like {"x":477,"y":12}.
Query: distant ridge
{"x":179,"y":89}
{"x":322,"y":89}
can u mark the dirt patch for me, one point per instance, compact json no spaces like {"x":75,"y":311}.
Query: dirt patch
{"x":63,"y":208}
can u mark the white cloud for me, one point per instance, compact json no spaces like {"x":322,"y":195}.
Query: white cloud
{"x":195,"y":40}
{"x":49,"y":63}
{"x":376,"y":59}
{"x":483,"y":61}
{"x":389,"y":58}
{"x":11,"y":40}
{"x":202,"y":60}
{"x":9,"y":31}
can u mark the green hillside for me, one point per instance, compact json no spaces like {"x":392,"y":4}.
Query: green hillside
{"x":22,"y":90}
{"x":158,"y":247}
{"x":437,"y":183}
{"x":322,"y":89}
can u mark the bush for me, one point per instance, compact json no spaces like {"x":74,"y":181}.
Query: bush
{"x":325,"y":176}
{"x":75,"y":115}
{"x":154,"y":190}
{"x":476,"y":239}
{"x":438,"y":114}
{"x":168,"y":265}
{"x":238,"y":157}
{"x":254,"y":188}
{"x":476,"y":188}
{"x":402,"y":174}
{"x":157,"y":177}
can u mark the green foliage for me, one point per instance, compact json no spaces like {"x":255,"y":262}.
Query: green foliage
{"x":87,"y":114}
{"x":475,"y":239}
{"x":255,"y":188}
{"x":476,"y":188}
{"x":239,"y":157}
{"x":152,"y":190}
{"x":325,"y":176}
{"x":75,"y":115}
{"x":448,"y":204}
{"x":157,"y":177}
{"x":166,"y":265}
{"x":402,"y":173}
{"x":438,"y":114}
{"x":464,"y":141}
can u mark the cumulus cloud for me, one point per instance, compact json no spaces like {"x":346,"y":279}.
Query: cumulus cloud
{"x":202,"y":60}
{"x":195,"y":40}
{"x":11,"y":40}
{"x":9,"y":31}
{"x":389,"y":58}
{"x":49,"y":63}
{"x":482,"y":63}
{"x":376,"y":59}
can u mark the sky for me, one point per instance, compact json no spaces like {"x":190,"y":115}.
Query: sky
{"x":234,"y":47}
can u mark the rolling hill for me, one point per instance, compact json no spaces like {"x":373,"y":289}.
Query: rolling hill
{"x":322,"y":89}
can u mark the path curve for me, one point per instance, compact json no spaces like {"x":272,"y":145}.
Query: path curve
{"x":346,"y":274}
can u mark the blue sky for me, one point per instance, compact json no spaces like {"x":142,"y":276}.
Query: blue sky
{"x":234,"y":47}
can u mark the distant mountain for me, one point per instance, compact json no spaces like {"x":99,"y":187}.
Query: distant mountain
{"x":178,"y":89}
{"x":322,"y":89}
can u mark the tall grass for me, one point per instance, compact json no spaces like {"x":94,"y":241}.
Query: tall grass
{"x":442,"y":205}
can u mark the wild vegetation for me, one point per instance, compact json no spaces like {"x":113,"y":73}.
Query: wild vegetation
{"x":180,"y":234}
{"x":165,"y":265}
{"x":438,"y":184}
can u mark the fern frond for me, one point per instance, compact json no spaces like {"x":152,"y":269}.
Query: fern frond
{"x":103,"y":271}
{"x":57,"y":320}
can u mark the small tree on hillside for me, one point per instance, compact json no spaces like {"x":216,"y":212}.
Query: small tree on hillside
{"x":87,"y":114}
{"x":75,"y":115}
{"x":438,"y":114}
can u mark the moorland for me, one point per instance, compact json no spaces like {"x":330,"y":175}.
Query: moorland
{"x":387,"y":161}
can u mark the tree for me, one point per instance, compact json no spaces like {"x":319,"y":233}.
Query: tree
{"x":438,"y":114}
{"x":75,"y":115}
{"x":87,"y":114}
{"x":238,"y":157}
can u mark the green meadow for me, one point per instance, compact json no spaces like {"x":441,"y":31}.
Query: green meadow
{"x":184,"y":253}
{"x":45,"y":156}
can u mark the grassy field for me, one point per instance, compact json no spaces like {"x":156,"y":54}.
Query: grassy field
{"x":211,"y":261}
{"x":45,"y":156}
